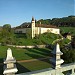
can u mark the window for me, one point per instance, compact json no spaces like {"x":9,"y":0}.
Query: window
{"x":20,"y":31}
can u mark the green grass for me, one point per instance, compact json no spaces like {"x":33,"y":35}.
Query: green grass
{"x":30,"y":66}
{"x":68,"y":29}
{"x":34,"y":65}
{"x":25,"y":54}
{"x":46,"y":38}
{"x":21,"y":39}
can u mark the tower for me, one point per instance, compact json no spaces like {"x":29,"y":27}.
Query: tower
{"x":33,"y":28}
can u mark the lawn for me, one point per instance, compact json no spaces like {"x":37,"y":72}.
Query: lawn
{"x":30,"y":66}
{"x":26,"y":54}
{"x":68,"y":29}
{"x":34,"y":65}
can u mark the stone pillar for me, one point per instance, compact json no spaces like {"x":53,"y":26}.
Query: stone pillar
{"x":56,"y":59}
{"x":9,"y":67}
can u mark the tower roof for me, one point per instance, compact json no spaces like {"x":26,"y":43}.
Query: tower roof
{"x":32,"y":18}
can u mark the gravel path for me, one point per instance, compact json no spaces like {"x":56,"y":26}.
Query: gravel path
{"x":30,"y":60}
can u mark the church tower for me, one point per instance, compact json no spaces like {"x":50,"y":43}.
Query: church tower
{"x":33,"y":28}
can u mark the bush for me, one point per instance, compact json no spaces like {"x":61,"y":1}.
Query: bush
{"x":68,"y":55}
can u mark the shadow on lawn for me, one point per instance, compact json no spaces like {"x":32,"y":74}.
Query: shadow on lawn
{"x":36,"y":53}
{"x":1,"y":69}
{"x":1,"y":60}
{"x":39,"y":52}
{"x":21,"y":69}
{"x":35,"y":56}
{"x":1,"y":66}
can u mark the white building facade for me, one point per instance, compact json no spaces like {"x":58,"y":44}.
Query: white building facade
{"x":37,"y":29}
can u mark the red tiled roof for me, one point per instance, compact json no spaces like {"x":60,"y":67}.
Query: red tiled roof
{"x":45,"y":26}
{"x":37,"y":25}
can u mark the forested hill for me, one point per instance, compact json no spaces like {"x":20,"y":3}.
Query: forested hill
{"x":64,"y":22}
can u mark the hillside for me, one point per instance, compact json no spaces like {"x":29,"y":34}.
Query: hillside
{"x":64,"y":21}
{"x":58,"y":22}
{"x":68,"y":29}
{"x":46,"y":38}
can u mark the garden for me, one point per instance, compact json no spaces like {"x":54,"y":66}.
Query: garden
{"x":27,"y":59}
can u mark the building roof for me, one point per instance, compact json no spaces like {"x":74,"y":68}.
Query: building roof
{"x":45,"y":26}
{"x":28,"y":25}
{"x":37,"y":25}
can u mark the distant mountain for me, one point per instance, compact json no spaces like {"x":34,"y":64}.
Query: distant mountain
{"x":25,"y":24}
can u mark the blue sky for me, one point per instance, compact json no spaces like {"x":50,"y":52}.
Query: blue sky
{"x":16,"y":12}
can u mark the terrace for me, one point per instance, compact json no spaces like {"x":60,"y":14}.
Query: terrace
{"x":57,"y":68}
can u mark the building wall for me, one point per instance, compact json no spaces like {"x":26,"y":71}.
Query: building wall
{"x":41,"y":30}
{"x":22,"y":30}
{"x":37,"y":30}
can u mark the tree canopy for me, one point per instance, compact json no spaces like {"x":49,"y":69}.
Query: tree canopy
{"x":64,"y":22}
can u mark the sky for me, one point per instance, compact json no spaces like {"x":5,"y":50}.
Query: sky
{"x":16,"y":12}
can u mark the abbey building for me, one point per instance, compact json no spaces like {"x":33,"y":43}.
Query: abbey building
{"x":37,"y":29}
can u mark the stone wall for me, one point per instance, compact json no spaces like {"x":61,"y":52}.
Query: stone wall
{"x":34,"y":46}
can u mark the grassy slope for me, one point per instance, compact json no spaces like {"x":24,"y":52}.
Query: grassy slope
{"x":46,"y":38}
{"x":68,"y":29}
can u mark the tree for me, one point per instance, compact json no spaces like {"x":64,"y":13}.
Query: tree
{"x":6,"y":31}
{"x":7,"y":34}
{"x":68,"y":55}
{"x":73,"y":42}
{"x":7,"y":27}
